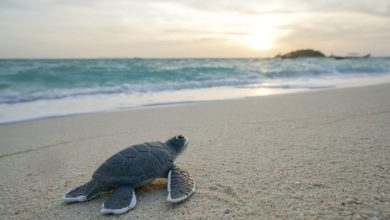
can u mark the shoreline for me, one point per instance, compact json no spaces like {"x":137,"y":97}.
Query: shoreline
{"x":219,"y":94}
{"x":321,"y":154}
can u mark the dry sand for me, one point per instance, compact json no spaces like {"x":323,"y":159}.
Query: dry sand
{"x":315,"y":155}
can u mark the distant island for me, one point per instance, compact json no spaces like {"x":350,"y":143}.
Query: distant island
{"x":301,"y":54}
{"x":310,"y":53}
{"x":349,"y":57}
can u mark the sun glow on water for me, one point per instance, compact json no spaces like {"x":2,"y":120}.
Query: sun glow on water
{"x":263,"y":92}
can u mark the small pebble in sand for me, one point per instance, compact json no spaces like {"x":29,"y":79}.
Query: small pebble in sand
{"x":352,"y":201}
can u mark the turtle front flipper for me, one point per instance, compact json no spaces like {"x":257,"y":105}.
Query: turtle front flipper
{"x":180,"y":185}
{"x":83,"y":193}
{"x":122,"y":200}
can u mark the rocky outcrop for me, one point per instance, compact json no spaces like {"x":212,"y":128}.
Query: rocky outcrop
{"x":301,"y":54}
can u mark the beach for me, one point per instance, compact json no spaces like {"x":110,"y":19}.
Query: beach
{"x":312,"y":155}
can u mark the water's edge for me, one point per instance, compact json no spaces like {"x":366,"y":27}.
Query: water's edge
{"x":357,"y":83}
{"x":31,"y":89}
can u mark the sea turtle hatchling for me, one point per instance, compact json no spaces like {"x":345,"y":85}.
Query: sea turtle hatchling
{"x":133,"y":167}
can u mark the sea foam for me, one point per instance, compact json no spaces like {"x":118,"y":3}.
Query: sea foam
{"x":26,"y":85}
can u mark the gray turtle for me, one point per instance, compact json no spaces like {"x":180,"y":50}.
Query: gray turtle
{"x":133,"y":167}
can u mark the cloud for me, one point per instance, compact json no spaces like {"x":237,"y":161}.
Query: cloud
{"x":112,"y":27}
{"x":340,"y":33}
{"x":256,"y":7}
{"x":380,"y":8}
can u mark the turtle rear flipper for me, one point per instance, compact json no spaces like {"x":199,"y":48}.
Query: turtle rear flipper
{"x":180,"y":185}
{"x":122,"y":200}
{"x":83,"y":193}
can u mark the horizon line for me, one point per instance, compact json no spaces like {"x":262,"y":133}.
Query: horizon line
{"x":151,"y":58}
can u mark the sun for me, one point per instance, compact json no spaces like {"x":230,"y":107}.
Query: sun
{"x":260,"y":41}
{"x":264,"y":33}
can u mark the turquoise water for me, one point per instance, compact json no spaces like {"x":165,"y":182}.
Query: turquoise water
{"x":38,"y":81}
{"x":30,"y":80}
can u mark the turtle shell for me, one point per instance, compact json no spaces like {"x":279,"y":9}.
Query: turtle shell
{"x":136,"y":164}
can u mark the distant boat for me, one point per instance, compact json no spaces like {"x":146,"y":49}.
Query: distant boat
{"x":349,"y":57}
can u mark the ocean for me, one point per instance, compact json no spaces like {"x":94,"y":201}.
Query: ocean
{"x":31,"y":89}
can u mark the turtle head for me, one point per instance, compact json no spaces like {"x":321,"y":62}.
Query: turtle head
{"x":178,"y":143}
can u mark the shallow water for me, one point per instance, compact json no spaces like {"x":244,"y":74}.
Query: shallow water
{"x":44,"y":88}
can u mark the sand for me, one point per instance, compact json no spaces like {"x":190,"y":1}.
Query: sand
{"x":314,"y":155}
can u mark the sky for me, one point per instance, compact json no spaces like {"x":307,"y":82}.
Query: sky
{"x":191,"y":28}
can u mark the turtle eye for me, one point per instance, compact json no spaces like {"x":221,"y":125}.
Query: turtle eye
{"x":180,"y":137}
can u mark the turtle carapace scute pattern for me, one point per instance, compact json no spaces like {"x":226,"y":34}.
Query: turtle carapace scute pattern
{"x":133,"y":167}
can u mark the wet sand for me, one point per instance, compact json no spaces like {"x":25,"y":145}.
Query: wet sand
{"x":314,"y":155}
